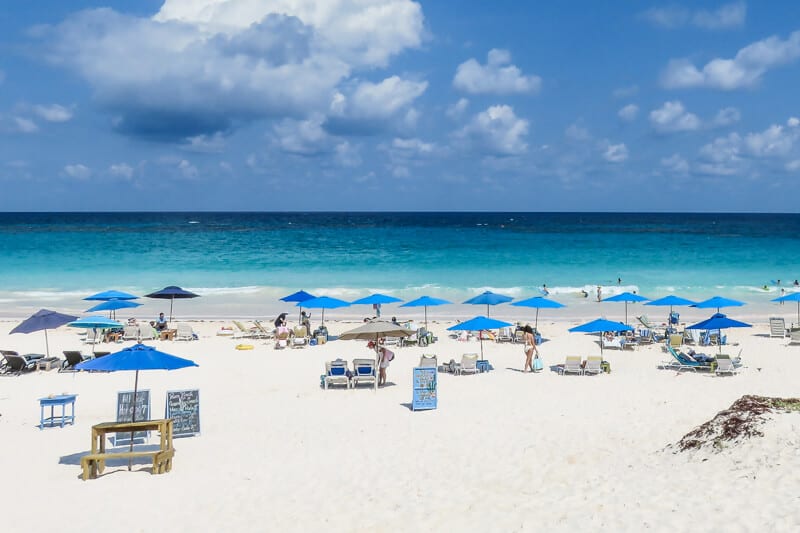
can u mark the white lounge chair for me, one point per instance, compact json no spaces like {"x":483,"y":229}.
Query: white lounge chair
{"x":572,"y":365}
{"x":364,"y":372}
{"x":336,"y":373}
{"x":505,"y":335}
{"x":616,"y":342}
{"x":130,"y":333}
{"x":262,"y":332}
{"x":184,"y":332}
{"x":243,"y":332}
{"x":593,"y":365}
{"x":469,"y":364}
{"x":725,"y":365}
{"x":428,"y":361}
{"x":92,"y":336}
{"x":147,"y":333}
{"x":777,"y":327}
{"x":282,"y":339}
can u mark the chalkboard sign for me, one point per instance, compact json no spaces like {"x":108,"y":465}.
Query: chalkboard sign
{"x":183,"y":407}
{"x":125,"y":411}
{"x":425,"y":385}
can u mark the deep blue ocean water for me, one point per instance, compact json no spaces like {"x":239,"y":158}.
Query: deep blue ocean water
{"x":453,"y":255}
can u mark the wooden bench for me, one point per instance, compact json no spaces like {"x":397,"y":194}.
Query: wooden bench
{"x":94,"y":463}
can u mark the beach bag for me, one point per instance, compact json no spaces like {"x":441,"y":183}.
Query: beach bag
{"x":537,"y":364}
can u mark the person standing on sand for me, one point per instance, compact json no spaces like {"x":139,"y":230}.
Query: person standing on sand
{"x":386,"y":357}
{"x":599,"y":293}
{"x":530,"y":347}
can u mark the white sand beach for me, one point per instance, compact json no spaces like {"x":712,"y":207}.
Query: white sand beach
{"x":504,"y":451}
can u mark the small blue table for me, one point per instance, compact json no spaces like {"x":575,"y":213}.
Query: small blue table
{"x":482,"y":365}
{"x":57,"y":420}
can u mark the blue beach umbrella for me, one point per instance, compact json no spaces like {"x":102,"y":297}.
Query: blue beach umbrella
{"x":172,"y":293}
{"x":538,"y":302}
{"x":94,"y":323}
{"x":600,"y":325}
{"x":425,"y":301}
{"x":626,"y":297}
{"x":137,"y":357}
{"x":43,"y":319}
{"x":718,"y":302}
{"x":376,"y":299}
{"x":718,"y":321}
{"x":113,"y":305}
{"x":298,"y":297}
{"x":479,"y":323}
{"x":793,"y":297}
{"x":489,"y":298}
{"x":323,"y":302}
{"x":671,"y":301}
{"x":112,"y":295}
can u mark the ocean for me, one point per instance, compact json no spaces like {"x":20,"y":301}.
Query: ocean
{"x":243,"y":262}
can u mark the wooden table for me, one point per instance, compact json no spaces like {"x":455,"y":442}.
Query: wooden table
{"x":168,"y":334}
{"x":94,"y":462}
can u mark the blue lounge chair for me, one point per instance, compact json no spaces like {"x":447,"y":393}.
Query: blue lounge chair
{"x":684,"y":361}
{"x":364,"y":372}
{"x":336,"y":373}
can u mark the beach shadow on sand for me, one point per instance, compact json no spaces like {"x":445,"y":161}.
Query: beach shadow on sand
{"x":75,"y":458}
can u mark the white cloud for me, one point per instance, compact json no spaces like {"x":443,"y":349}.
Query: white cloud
{"x":415,"y":147}
{"x":616,"y":153}
{"x":122,"y":170}
{"x":672,"y":117}
{"x":629,"y":112}
{"x":675,"y":164}
{"x":498,"y":76}
{"x":793,"y":166}
{"x":347,"y":155}
{"x":187,"y":170}
{"x":456,"y":110}
{"x":745,"y":70}
{"x":576,"y":132}
{"x":53,"y":112}
{"x":78,"y":171}
{"x":728,"y":16}
{"x":302,"y":137}
{"x":726,"y":117}
{"x":793,"y":122}
{"x":497,"y":131}
{"x":25,"y":125}
{"x":375,"y":106}
{"x":214,"y":143}
{"x":626,"y":92}
{"x":207,"y":66}
{"x":775,"y":141}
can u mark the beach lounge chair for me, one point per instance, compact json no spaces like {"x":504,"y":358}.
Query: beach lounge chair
{"x":16,"y":364}
{"x":645,"y":336}
{"x":130,"y":333}
{"x":184,"y":332}
{"x":777,"y":327}
{"x":682,"y":361}
{"x":244,"y":333}
{"x":616,"y":342}
{"x":364,"y":372}
{"x":593,"y":365}
{"x":72,"y":358}
{"x":519,"y":336}
{"x":411,"y":340}
{"x":725,"y":366}
{"x":300,"y":338}
{"x":336,"y":373}
{"x":572,"y":365}
{"x":92,"y":336}
{"x":147,"y":333}
{"x":645,"y":321}
{"x":505,"y":335}
{"x":282,"y":339}
{"x":675,"y":340}
{"x":469,"y":364}
{"x":261,"y":331}
{"x":428,"y":360}
{"x":794,"y":336}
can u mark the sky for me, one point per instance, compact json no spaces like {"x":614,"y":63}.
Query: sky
{"x":396,"y":105}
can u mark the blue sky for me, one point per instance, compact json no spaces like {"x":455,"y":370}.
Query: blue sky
{"x":399,"y":105}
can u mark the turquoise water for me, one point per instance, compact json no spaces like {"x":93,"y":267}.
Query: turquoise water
{"x":55,"y":256}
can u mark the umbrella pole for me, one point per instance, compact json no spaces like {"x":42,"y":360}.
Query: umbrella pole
{"x":487,"y":310}
{"x":323,"y":316}
{"x":46,"y":343}
{"x":480,"y":336}
{"x":626,"y":312}
{"x":171,"y":301}
{"x":426,"y":314}
{"x":537,"y":319}
{"x":133,"y":417}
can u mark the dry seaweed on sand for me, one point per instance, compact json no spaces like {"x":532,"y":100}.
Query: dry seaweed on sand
{"x":741,"y":420}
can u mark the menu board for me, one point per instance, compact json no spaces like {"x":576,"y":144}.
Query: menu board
{"x":425,"y":389}
{"x":125,"y":411}
{"x":183,"y":407}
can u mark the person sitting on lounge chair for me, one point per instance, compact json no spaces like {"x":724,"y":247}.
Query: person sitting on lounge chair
{"x":161,"y":323}
{"x":700,"y":357}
